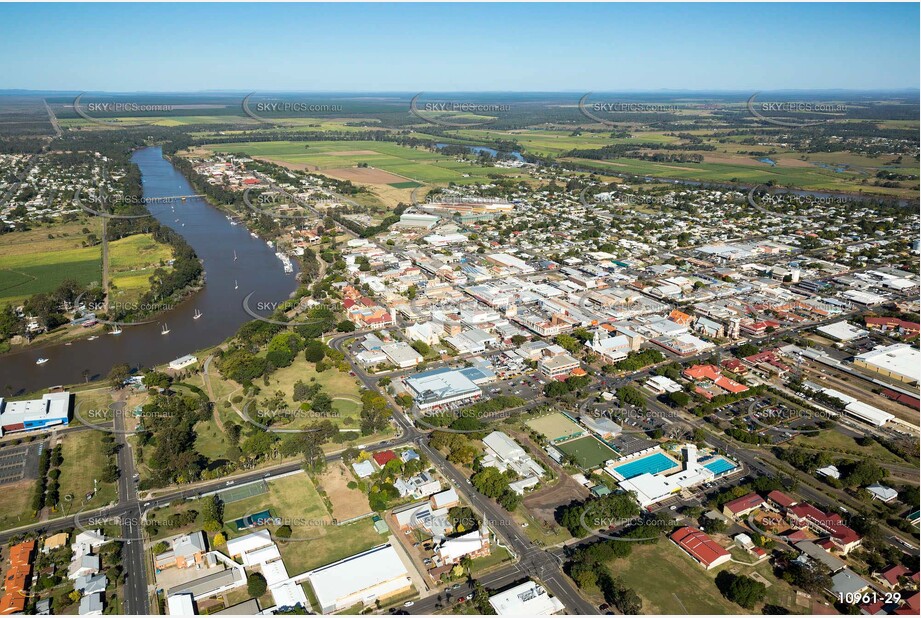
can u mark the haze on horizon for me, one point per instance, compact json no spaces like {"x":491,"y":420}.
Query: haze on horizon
{"x":480,"y":47}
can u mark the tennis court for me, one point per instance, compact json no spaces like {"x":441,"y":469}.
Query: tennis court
{"x":243,"y":492}
{"x":588,"y":452}
{"x":653,"y":464}
{"x":719,"y":465}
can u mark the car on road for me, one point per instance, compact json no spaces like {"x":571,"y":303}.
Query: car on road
{"x":455,"y":586}
{"x":409,"y":604}
{"x":229,"y":483}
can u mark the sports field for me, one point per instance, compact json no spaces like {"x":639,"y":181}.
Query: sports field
{"x":555,"y":427}
{"x":417,"y":165}
{"x":589,"y":452}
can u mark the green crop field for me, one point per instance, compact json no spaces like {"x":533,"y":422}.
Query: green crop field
{"x":414,"y":164}
{"x":26,"y":274}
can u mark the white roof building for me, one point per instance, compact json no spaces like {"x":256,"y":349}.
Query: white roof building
{"x":842,"y":331}
{"x":900,"y":360}
{"x":180,"y":605}
{"x":506,"y":453}
{"x":527,"y":599}
{"x":249,"y":543}
{"x":363,"y":578}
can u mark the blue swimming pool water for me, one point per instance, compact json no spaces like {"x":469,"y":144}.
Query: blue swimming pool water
{"x":718,"y":465}
{"x":653,"y":464}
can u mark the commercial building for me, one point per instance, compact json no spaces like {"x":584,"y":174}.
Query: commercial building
{"x":504,"y":453}
{"x":700,"y":547}
{"x":527,"y":599}
{"x":900,"y":362}
{"x":375,"y":574}
{"x":557,"y":367}
{"x":53,"y":409}
{"x":182,"y":362}
{"x":842,"y":331}
{"x":440,"y":387}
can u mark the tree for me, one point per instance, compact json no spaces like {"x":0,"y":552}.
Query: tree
{"x":740,"y":589}
{"x":256,"y":585}
{"x":119,"y":374}
{"x":160,"y":547}
{"x":283,"y":532}
{"x":345,"y":326}
{"x":218,"y":540}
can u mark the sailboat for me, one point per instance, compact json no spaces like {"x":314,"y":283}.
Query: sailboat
{"x":234,"y":255}
{"x":196,"y":315}
{"x":116,"y":331}
{"x":164,"y":330}
{"x":235,"y":286}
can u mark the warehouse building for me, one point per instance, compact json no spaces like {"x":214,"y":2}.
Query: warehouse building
{"x":527,"y":599}
{"x":372,"y":575}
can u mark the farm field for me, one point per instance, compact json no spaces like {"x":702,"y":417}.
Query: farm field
{"x":132,"y":261}
{"x":406,"y":164}
{"x":29,"y":265}
{"x":552,"y":143}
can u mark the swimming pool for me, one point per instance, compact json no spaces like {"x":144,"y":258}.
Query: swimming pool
{"x":718,"y":465}
{"x":653,"y":464}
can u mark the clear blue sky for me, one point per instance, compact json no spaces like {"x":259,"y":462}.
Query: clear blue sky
{"x":416,"y":47}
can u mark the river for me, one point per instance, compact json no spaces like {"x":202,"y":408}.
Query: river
{"x":209,"y":232}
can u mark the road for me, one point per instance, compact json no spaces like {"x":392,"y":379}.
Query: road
{"x":133,"y":555}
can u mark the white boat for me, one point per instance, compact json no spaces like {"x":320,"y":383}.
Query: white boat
{"x":234,"y":255}
{"x":116,"y":331}
{"x":196,"y":315}
{"x":164,"y":330}
{"x":41,"y":361}
{"x":93,"y":338}
{"x":235,"y":286}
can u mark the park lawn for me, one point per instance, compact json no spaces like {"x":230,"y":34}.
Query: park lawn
{"x":93,"y":406}
{"x":210,"y":441}
{"x":342,"y":388}
{"x":315,"y":540}
{"x":84,"y":460}
{"x":162,"y":514}
{"x":690,"y":588}
{"x":15,"y":509}
{"x":836,"y":442}
{"x":496,"y":556}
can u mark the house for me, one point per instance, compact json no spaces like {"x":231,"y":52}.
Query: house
{"x":92,"y":605}
{"x":86,"y":564}
{"x":882,"y":493}
{"x":55,"y":541}
{"x":741,"y":507}
{"x":187,"y":550}
{"x":445,"y":499}
{"x":891,"y":576}
{"x":363,"y":469}
{"x":847,"y":582}
{"x":382,"y":457}
{"x":698,"y":544}
{"x":91,"y":584}
{"x":420,"y":486}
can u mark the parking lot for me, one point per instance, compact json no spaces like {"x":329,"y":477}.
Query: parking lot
{"x":19,"y":462}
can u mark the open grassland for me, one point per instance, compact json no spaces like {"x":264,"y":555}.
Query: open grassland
{"x":691,"y":589}
{"x":410,"y":164}
{"x":84,"y":459}
{"x":15,"y":508}
{"x":315,"y":540}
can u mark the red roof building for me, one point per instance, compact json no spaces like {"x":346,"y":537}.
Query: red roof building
{"x":381,"y":458}
{"x":780,"y":499}
{"x":743,"y":506}
{"x":700,"y":547}
{"x":892,"y":574}
{"x":805,"y":515}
